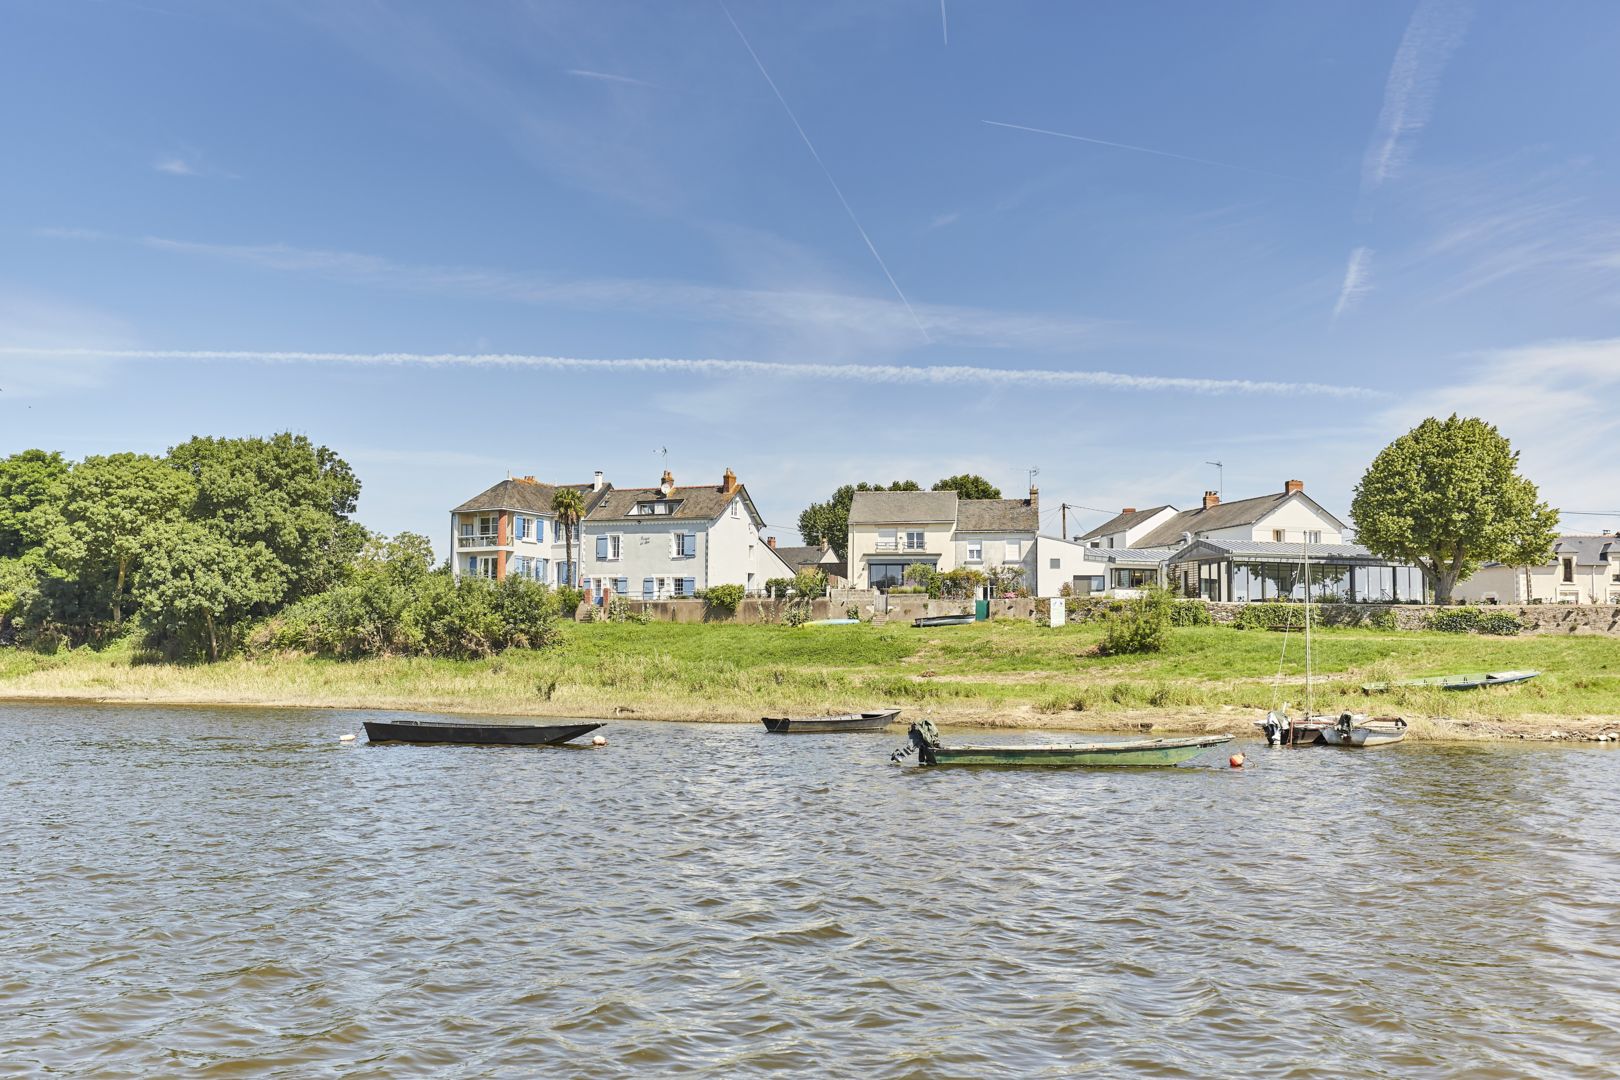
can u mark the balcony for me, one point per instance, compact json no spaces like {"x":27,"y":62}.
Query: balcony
{"x":896,"y":545}
{"x":479,"y":540}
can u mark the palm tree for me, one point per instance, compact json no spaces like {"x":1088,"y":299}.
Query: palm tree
{"x":569,"y":506}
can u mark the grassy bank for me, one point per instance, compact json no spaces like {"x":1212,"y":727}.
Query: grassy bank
{"x":993,"y":674}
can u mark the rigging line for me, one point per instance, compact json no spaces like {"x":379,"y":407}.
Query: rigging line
{"x":828,"y":174}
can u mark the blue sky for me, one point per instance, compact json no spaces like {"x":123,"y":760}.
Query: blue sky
{"x":840,"y":241}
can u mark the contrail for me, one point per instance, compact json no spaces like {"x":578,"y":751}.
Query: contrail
{"x":1356,"y":284}
{"x":1141,"y":149}
{"x":1436,"y":29}
{"x":944,"y":23}
{"x":886,"y":374}
{"x":826,"y":172}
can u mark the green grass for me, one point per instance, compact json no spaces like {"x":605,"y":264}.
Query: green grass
{"x":999,"y":672}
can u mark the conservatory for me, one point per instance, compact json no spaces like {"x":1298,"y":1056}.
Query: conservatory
{"x":1253,"y":570}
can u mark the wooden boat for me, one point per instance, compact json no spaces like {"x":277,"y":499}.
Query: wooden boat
{"x":943,"y":620}
{"x":863,"y":721}
{"x":1354,"y":729}
{"x":923,"y":738}
{"x":1472,"y":681}
{"x":1280,"y":729}
{"x":444,"y":731}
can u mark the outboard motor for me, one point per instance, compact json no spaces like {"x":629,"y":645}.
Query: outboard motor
{"x":922,"y":738}
{"x":1346,"y":722}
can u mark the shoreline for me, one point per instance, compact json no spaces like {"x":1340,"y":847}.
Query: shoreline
{"x":1600,"y":730}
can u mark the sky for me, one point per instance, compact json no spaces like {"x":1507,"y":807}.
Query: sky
{"x":816,"y":243}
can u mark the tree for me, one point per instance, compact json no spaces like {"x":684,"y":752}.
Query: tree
{"x":97,"y":535}
{"x":827,"y":523}
{"x":286,"y":493}
{"x":969,"y":486}
{"x":196,"y":586}
{"x":29,"y":481}
{"x":1447,"y":496}
{"x":569,"y":506}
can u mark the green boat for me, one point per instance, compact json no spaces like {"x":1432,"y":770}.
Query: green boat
{"x":923,"y":739}
{"x":1458,"y":682}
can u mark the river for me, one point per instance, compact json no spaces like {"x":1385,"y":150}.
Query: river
{"x":234,"y":892}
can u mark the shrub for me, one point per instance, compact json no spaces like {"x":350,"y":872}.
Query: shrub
{"x":810,"y":583}
{"x":961,"y":583}
{"x":926,"y":578}
{"x":1471,"y":620}
{"x":568,"y":600}
{"x":1271,"y":615}
{"x":777,"y":587}
{"x":853,"y":611}
{"x":722,"y":599}
{"x":1190,"y":613}
{"x":1143,"y":626}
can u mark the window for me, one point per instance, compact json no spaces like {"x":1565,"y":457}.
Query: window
{"x":486,"y":525}
{"x":615,"y":547}
{"x":1055,"y":564}
{"x":975,"y":551}
{"x":736,"y":508}
{"x":653,"y":508}
{"x":685,"y":586}
{"x":1110,"y":542}
{"x":1569,"y":568}
{"x":887,"y":540}
{"x":1313,"y":537}
{"x":602,"y":547}
{"x":914,"y":540}
{"x":1014,"y":552}
{"x":466,"y":527}
{"x":1279,"y":536}
{"x":685,"y":546}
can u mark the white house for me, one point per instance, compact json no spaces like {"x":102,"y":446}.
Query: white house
{"x":890,"y":530}
{"x":1584,"y":569}
{"x":511,"y":529}
{"x":665,"y":542}
{"x":1128,"y":527}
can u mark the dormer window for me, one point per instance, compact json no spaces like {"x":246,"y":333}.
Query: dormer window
{"x":654,"y":508}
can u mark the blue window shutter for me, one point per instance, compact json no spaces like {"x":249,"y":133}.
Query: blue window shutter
{"x":689,"y":545}
{"x":540,"y":530}
{"x":646,"y":588}
{"x":601,"y":547}
{"x":691,"y":586}
{"x":621,"y":586}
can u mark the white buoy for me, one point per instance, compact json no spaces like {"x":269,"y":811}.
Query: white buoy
{"x":600,"y":740}
{"x":346,"y":738}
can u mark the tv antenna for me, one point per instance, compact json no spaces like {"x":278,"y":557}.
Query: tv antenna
{"x":1220,"y":476}
{"x":1034,"y":471}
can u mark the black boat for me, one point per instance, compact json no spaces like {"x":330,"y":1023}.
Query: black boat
{"x":861,"y":721}
{"x":442,"y":731}
{"x":943,"y":620}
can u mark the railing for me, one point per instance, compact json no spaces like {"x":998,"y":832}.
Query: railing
{"x":896,"y":545}
{"x":482,"y":540}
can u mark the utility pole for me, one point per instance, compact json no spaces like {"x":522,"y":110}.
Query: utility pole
{"x":1063,"y":508}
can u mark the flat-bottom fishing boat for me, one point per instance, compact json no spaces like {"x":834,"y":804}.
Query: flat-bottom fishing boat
{"x":1472,"y":681}
{"x":1355,"y":729}
{"x":805,"y":725}
{"x":1280,"y":729}
{"x":923,"y":739}
{"x":942,"y":620}
{"x":444,"y":731}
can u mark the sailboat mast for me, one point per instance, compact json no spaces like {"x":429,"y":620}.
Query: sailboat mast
{"x":1310,"y":701}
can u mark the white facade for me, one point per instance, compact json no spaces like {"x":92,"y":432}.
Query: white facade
{"x":1584,"y":570}
{"x":1131,"y":534}
{"x":890,"y":530}
{"x":1058,"y":562}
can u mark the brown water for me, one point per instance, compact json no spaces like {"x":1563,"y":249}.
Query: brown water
{"x":236,"y":893}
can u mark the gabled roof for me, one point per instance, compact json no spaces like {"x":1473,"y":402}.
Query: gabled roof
{"x":1138,"y":556}
{"x":997,"y":515}
{"x":1227,"y":516}
{"x":530,"y":496}
{"x":905,"y":507}
{"x":691,"y":504}
{"x":1588,"y":549}
{"x":795,"y":557}
{"x":1121,"y":522}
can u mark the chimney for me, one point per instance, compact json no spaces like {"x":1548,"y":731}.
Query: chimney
{"x":728,"y":483}
{"x":770,"y":542}
{"x":667,"y":484}
{"x":1211,"y":498}
{"x":1291,"y":486}
{"x":1034,"y":497}
{"x":596,"y":481}
{"x":1129,"y":510}
{"x":526,"y":479}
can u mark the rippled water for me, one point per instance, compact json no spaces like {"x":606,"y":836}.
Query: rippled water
{"x":235,"y":893}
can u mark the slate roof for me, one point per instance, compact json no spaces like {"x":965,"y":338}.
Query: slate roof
{"x":1588,"y":549}
{"x":695,"y":504}
{"x":997,"y":515}
{"x":1269,"y":551}
{"x":1120,"y":522}
{"x":1225,"y":516}
{"x":531,"y":497}
{"x":884,"y":507}
{"x":1129,"y":556}
{"x":795,"y":557}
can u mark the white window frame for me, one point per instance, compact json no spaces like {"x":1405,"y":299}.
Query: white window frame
{"x":1012,"y":551}
{"x":920,"y":543}
{"x":1313,"y":536}
{"x":975,"y":551}
{"x":736,"y":508}
{"x":1279,"y":536}
{"x":615,"y":547}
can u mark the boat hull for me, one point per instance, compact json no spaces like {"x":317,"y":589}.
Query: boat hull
{"x":1134,"y":753}
{"x":414,"y":731}
{"x":942,"y":620}
{"x":1376,"y":732}
{"x":789,"y":725}
{"x":1459,"y":682}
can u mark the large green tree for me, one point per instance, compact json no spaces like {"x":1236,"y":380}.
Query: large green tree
{"x":1448,"y":496}
{"x":827,"y":523}
{"x":29,"y":482}
{"x":196,"y":586}
{"x":96,"y":536}
{"x":286,"y":493}
{"x":969,"y":486}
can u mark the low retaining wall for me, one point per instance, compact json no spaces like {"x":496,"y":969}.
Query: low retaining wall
{"x":1537,"y":618}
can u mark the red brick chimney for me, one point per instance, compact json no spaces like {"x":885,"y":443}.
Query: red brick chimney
{"x":1034,"y":497}
{"x":1291,"y":486}
{"x":770,"y":542}
{"x":1129,"y":510}
{"x":667,"y":484}
{"x":1211,"y":498}
{"x":728,"y":483}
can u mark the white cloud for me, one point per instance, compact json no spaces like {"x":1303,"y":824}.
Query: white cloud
{"x":943,"y":220}
{"x":1356,"y":283}
{"x":176,"y":167}
{"x":1433,"y":33}
{"x":603,"y":76}
{"x":884,"y":374}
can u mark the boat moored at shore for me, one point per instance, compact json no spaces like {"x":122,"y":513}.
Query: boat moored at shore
{"x":453,"y":732}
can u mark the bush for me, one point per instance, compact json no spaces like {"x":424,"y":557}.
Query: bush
{"x":810,"y":584}
{"x":1142,"y":626}
{"x":1271,"y":615}
{"x":926,"y":578}
{"x":777,"y":587}
{"x":1471,"y":620}
{"x":568,"y":600}
{"x":1190,"y":613}
{"x":722,"y":599}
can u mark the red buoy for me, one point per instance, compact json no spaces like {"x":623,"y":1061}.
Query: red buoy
{"x":1236,"y":761}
